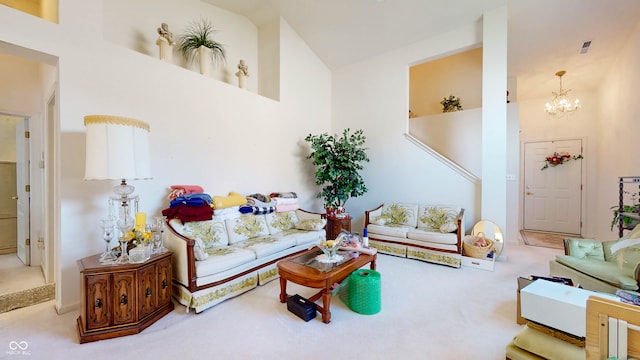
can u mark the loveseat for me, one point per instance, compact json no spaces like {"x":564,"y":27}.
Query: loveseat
{"x":218,"y":259}
{"x":594,"y":266}
{"x":431,"y":233}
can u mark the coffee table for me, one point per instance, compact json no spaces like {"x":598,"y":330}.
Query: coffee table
{"x":304,"y":270}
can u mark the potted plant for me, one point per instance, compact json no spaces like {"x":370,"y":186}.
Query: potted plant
{"x":450,"y":104}
{"x":339,"y":161}
{"x":627,"y":222}
{"x":196,"y":42}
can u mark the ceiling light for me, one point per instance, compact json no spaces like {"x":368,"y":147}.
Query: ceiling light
{"x":561,"y":104}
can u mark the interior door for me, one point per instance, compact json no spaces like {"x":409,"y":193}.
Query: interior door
{"x":22,"y":180}
{"x":553,"y":196}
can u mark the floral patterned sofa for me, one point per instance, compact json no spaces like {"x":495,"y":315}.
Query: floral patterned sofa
{"x":218,"y":259}
{"x":431,"y":233}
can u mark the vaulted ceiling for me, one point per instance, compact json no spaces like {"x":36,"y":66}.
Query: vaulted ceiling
{"x":544,"y":36}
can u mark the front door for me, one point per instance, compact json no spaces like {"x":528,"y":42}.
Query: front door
{"x":553,"y":196}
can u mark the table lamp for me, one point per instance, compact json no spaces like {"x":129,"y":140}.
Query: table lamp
{"x":117,"y":148}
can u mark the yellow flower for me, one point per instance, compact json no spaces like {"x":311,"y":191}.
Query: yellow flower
{"x":130,"y":235}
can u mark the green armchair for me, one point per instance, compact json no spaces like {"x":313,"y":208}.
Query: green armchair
{"x":592,"y":264}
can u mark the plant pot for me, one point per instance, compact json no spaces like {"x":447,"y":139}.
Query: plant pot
{"x":205,"y":60}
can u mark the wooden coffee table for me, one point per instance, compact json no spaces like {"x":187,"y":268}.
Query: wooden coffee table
{"x":295,"y":269}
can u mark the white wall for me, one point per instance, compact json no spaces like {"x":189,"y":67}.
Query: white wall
{"x":618,"y":126}
{"x":373,"y":95}
{"x":133,"y":24}
{"x":459,"y":75}
{"x":203,"y":131}
{"x":583,"y":124}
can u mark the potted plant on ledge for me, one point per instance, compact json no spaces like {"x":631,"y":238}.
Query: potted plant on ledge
{"x":339,"y":161}
{"x":196,"y":42}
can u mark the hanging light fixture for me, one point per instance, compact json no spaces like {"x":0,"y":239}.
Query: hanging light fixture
{"x":561,"y":104}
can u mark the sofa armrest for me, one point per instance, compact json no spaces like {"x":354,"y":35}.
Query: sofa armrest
{"x":369,"y":214}
{"x":461,"y":228}
{"x":584,"y":249}
{"x":184,"y":261}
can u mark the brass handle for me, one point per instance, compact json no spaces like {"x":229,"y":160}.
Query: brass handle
{"x":528,"y":193}
{"x":98,"y":303}
{"x":148,"y":294}
{"x":123,"y":299}
{"x":14,"y":197}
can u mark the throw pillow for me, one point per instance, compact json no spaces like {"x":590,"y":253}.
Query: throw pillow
{"x":400,"y":214}
{"x":438,"y":218}
{"x":245,"y":227}
{"x":281,"y":221}
{"x":311,"y":224}
{"x":212,"y":233}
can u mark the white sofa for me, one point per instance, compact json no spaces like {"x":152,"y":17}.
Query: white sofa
{"x":218,"y":259}
{"x":431,"y":233}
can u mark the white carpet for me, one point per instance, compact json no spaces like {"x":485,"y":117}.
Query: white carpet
{"x":428,"y":312}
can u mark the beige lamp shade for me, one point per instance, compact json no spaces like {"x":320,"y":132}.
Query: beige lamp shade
{"x":117,"y":148}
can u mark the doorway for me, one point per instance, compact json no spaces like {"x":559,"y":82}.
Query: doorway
{"x":552,"y":196}
{"x":22,"y":269}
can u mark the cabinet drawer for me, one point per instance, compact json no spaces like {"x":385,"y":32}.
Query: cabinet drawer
{"x":163,"y":270}
{"x":147,"y":290}
{"x":98,"y":301}
{"x":124,"y":298}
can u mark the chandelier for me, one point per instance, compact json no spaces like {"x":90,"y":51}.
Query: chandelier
{"x":561,"y":104}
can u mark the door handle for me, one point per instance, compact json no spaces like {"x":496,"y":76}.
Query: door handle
{"x":528,"y":193}
{"x":14,"y":197}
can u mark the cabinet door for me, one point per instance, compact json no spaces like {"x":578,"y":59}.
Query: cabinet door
{"x":147,"y":290}
{"x":124,"y":298}
{"x":164,"y":281}
{"x":97,"y":304}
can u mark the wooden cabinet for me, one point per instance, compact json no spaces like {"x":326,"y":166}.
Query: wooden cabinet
{"x":335,"y":226}
{"x":119,"y":300}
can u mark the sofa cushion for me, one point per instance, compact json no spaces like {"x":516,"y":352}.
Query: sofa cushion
{"x":389,"y":230}
{"x":222,"y":259}
{"x":245,"y":227}
{"x":281,"y":221}
{"x":429,"y":235}
{"x":609,"y":272}
{"x":306,"y":236}
{"x":212,"y":232}
{"x":546,"y":346}
{"x":585,"y":249}
{"x":438,"y":218}
{"x":311,"y":224}
{"x":398,"y":214}
{"x":266,"y":245}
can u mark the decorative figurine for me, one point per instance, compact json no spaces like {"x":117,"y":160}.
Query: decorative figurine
{"x":165,"y":42}
{"x":164,"y":32}
{"x":242,"y":74}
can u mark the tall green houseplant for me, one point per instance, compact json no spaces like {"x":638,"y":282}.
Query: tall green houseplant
{"x":339,"y":160}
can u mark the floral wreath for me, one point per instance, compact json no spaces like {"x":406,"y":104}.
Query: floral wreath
{"x":559,"y":159}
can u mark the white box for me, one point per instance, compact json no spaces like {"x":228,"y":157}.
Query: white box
{"x":558,"y":306}
{"x":483,"y":264}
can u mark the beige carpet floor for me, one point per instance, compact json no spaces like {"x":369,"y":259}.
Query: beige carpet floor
{"x":545,"y":239}
{"x":428,"y":312}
